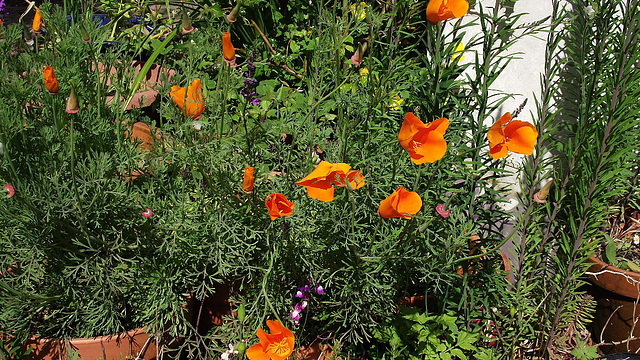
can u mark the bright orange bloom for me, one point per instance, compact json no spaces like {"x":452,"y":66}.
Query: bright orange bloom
{"x":439,"y":10}
{"x":320,"y":182}
{"x":424,"y":142}
{"x":50,"y":80}
{"x":228,"y":51}
{"x":247,"y":184}
{"x":275,"y":346}
{"x":401,"y":203}
{"x":278,"y":205}
{"x":511,"y":135}
{"x":37,"y":22}
{"x":194,"y":102}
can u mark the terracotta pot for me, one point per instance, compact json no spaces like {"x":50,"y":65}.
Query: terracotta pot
{"x":618,"y":308}
{"x":133,"y":344}
{"x":210,"y":311}
{"x":147,"y":92}
{"x":315,"y":351}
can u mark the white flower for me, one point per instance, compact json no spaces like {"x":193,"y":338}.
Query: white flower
{"x":1,"y":149}
{"x":590,"y":12}
{"x":636,"y":239}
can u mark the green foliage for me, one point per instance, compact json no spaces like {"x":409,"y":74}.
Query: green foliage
{"x":414,"y":335}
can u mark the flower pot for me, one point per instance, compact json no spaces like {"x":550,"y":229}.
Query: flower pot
{"x":617,"y":295}
{"x":133,"y":344}
{"x":147,"y":92}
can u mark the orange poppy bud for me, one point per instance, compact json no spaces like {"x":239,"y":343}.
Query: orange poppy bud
{"x":193,"y":105}
{"x":228,"y":51}
{"x":440,"y":10}
{"x":37,"y":22}
{"x":511,"y":135}
{"x":50,"y":80}
{"x":247,"y":184}
{"x":320,"y":183}
{"x":401,"y":203}
{"x":424,"y":142}
{"x":278,"y":205}
{"x":72,"y":102}
{"x":278,"y":345}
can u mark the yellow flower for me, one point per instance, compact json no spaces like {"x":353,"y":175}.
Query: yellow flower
{"x":458,"y":53}
{"x":395,"y":101}
{"x":359,"y":11}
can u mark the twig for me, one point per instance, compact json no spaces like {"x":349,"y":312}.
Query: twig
{"x":273,"y":51}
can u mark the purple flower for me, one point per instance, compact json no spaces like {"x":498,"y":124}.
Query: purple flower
{"x":319,"y":289}
{"x":299,"y":294}
{"x":3,"y":8}
{"x":305,"y":288}
{"x":250,"y":83}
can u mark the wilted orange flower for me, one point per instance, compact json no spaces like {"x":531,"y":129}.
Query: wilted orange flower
{"x":247,"y":184}
{"x":275,"y":346}
{"x":228,"y":51}
{"x":194,"y":102}
{"x":320,"y":182}
{"x":401,"y":203}
{"x":37,"y":22}
{"x":50,"y":80}
{"x":439,"y":10}
{"x":278,"y":205}
{"x":424,"y":142}
{"x":511,"y":135}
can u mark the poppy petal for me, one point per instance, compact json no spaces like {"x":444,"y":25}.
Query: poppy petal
{"x":521,"y":137}
{"x":433,"y":147}
{"x":325,"y":195}
{"x":409,"y":128}
{"x":256,"y":352}
{"x":499,"y":150}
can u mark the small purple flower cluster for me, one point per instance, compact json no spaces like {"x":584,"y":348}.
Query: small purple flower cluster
{"x":303,"y":294}
{"x":3,"y":8}
{"x":250,"y":83}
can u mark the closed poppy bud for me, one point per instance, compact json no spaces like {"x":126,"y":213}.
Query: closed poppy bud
{"x":186,"y":23}
{"x":440,"y":10}
{"x":233,"y":15}
{"x":424,"y":142}
{"x":50,"y":80}
{"x":37,"y":22}
{"x":401,"y":203}
{"x":228,"y":51}
{"x":541,"y":196}
{"x":9,"y":190}
{"x":85,"y":35}
{"x":72,"y":102}
{"x":247,"y":184}
{"x":190,"y":100}
{"x":278,"y":205}
{"x":358,"y":56}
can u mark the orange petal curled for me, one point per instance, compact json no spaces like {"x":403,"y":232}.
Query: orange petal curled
{"x":247,"y":184}
{"x":50,"y":80}
{"x":194,"y":104}
{"x":278,"y":205}
{"x":401,"y":203}
{"x":37,"y":22}
{"x":320,"y":183}
{"x":440,"y":10}
{"x":228,"y":51}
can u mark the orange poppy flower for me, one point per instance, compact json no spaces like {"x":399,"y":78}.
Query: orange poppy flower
{"x":511,"y":135}
{"x":275,"y":346}
{"x":401,"y":203}
{"x":320,"y":182}
{"x":194,"y":102}
{"x":278,"y":205}
{"x":440,"y":10}
{"x":247,"y":184}
{"x":37,"y":22}
{"x":424,"y":142}
{"x":50,"y":80}
{"x":228,"y":51}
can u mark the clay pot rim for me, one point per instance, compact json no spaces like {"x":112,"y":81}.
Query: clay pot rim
{"x":597,"y":262}
{"x":127,"y":334}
